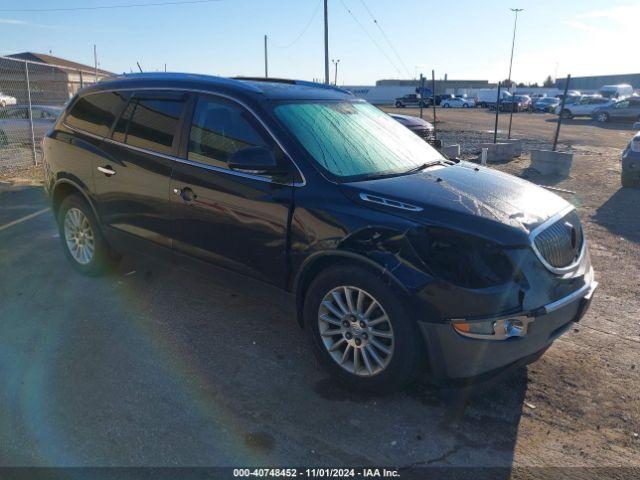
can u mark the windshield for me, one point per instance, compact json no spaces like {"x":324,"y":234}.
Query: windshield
{"x":355,"y":140}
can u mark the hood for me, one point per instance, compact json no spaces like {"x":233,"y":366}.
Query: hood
{"x":409,"y":120}
{"x":468,"y":198}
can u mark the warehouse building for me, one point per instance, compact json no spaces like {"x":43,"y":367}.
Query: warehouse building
{"x":594,"y":82}
{"x":386,"y":91}
{"x":52,"y":80}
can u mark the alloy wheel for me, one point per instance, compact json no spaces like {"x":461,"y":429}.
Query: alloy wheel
{"x":356,"y":331}
{"x":79,"y":236}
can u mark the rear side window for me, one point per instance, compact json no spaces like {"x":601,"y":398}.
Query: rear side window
{"x":95,"y":113}
{"x":219,"y":129}
{"x":150,"y":123}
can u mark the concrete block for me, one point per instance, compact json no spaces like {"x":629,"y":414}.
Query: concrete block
{"x":499,"y":152}
{"x":517,"y":146}
{"x":548,"y":162}
{"x":450,"y":151}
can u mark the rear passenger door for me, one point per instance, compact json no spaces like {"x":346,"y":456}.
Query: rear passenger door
{"x":132,"y":186}
{"x":232,"y":219}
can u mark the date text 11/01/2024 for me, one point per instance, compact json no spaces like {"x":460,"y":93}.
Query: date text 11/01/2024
{"x":316,"y":472}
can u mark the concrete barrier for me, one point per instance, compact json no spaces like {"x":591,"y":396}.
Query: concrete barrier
{"x":450,"y":151}
{"x":499,"y":152}
{"x":548,"y":162}
{"x":517,"y":146}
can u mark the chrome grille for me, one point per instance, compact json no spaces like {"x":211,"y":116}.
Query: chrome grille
{"x":560,"y":244}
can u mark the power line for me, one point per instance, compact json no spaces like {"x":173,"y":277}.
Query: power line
{"x":107,"y":7}
{"x":306,"y":27}
{"x":386,"y":38}
{"x":373,"y":40}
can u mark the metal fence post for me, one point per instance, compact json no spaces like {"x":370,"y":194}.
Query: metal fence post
{"x":564,"y":98}
{"x":33,"y":137}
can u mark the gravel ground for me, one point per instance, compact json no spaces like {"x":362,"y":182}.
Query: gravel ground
{"x":586,"y":389}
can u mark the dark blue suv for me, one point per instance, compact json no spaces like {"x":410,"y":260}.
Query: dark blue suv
{"x":399,"y":261}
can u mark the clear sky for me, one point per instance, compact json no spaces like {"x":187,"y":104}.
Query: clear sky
{"x":464,"y":38}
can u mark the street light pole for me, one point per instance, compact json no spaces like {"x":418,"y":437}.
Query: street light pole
{"x":335,"y":63}
{"x":513,"y":43}
{"x":326,"y":43}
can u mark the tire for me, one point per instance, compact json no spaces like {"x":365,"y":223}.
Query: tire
{"x":446,"y":105}
{"x":389,"y":371}
{"x":78,"y":225}
{"x":566,"y":114}
{"x":602,"y":117}
{"x":465,"y":105}
{"x":399,"y":105}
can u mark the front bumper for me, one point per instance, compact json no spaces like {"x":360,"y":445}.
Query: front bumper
{"x":454,"y":356}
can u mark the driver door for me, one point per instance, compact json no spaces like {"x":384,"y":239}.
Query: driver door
{"x":232,"y":219}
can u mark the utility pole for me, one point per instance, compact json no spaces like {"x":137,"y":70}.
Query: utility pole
{"x":266,"y":59}
{"x":513,"y":43}
{"x":335,"y":79}
{"x":95,"y":63}
{"x":326,"y":42}
{"x":433,"y":87}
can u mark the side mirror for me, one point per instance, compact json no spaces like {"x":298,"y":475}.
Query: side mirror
{"x":255,"y":160}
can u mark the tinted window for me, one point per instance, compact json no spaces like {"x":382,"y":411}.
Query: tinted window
{"x":153,"y":124}
{"x":220,"y":129}
{"x":95,"y":113}
{"x":120,"y":130}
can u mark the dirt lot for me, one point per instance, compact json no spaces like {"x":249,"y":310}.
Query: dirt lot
{"x":129,"y":370}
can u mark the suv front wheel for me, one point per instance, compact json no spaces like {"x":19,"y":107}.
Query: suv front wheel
{"x":81,"y":237}
{"x":360,"y":330}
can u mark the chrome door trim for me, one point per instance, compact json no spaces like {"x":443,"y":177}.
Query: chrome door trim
{"x":198,"y":164}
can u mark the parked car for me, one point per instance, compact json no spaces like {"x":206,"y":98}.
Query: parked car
{"x":621,"y":110}
{"x":616,"y":91}
{"x":582,"y":106}
{"x":6,"y":100}
{"x":546,"y":104}
{"x":417,"y":125}
{"x":457,"y":102}
{"x":396,"y":258}
{"x":411,"y":100}
{"x":525,"y":103}
{"x":441,"y":98}
{"x":630,"y":174}
{"x":15,"y":126}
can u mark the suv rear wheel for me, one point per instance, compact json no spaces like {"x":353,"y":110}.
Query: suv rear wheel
{"x":360,"y":331}
{"x":81,"y":237}
{"x":602,"y":117}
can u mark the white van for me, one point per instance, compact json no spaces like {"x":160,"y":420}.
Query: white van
{"x":486,"y":97}
{"x":616,"y":91}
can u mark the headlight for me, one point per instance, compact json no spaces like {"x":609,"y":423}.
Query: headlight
{"x":463,"y":260}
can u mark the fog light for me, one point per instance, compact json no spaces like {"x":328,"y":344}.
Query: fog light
{"x":493,"y":329}
{"x":512,"y":327}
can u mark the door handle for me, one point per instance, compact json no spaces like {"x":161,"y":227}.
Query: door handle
{"x":186,"y":194}
{"x":108,"y":171}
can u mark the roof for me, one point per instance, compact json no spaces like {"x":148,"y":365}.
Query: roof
{"x":247,"y":87}
{"x":56,"y":61}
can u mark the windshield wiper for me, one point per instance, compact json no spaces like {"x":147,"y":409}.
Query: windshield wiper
{"x":423,"y":166}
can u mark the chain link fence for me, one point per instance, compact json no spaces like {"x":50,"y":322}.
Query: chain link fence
{"x":32,"y":95}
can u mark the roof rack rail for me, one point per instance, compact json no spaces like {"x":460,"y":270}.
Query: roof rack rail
{"x":290,"y":81}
